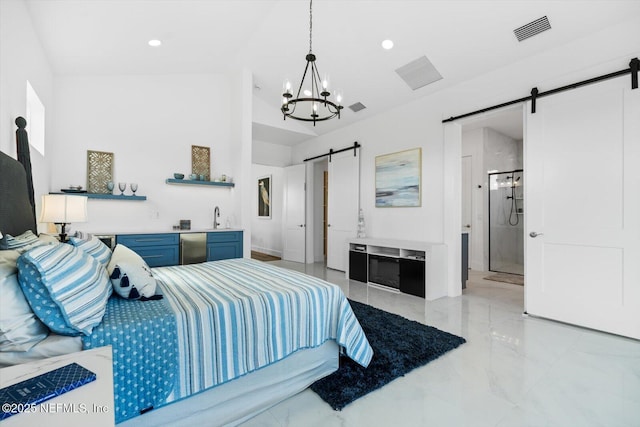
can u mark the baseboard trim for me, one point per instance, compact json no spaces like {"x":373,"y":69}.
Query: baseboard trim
{"x":267,"y":251}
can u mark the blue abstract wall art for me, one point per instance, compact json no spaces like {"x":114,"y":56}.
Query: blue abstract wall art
{"x":398,"y":177}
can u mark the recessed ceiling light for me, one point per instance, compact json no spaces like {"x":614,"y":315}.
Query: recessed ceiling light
{"x":155,"y":43}
{"x":387,"y":44}
{"x":307,"y":92}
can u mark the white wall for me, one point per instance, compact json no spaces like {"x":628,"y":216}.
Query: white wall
{"x":500,"y":151}
{"x":268,"y":159}
{"x":240,"y":151}
{"x":149,"y":122}
{"x":266,"y":234}
{"x":267,"y":153}
{"x":22,"y":59}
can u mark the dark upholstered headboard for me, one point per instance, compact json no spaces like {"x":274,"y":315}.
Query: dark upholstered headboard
{"x":16,"y":212}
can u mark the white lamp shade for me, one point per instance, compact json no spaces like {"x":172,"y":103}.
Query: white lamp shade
{"x":60,"y":208}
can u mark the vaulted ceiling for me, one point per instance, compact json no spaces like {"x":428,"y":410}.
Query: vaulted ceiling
{"x":462,"y":39}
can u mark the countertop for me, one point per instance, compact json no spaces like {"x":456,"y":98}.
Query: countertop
{"x":393,"y":243}
{"x":165,"y":231}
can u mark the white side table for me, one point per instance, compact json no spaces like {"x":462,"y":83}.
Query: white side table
{"x":88,"y":405}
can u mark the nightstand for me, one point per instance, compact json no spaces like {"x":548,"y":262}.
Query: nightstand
{"x":88,"y":405}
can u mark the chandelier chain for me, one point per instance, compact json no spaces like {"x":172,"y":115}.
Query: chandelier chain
{"x":315,"y":105}
{"x":310,"y":23}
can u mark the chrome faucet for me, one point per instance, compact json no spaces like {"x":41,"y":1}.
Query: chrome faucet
{"x":216,"y":215}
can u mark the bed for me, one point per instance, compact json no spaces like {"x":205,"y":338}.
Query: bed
{"x":227,"y":340}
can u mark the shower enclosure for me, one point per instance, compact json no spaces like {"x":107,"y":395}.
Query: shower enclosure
{"x":506,"y":222}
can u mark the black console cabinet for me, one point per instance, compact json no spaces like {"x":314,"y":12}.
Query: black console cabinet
{"x":412,"y":277}
{"x":406,"y":275}
{"x":358,"y":266}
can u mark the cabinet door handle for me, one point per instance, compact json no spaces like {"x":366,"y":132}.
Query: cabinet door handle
{"x":153,"y":256}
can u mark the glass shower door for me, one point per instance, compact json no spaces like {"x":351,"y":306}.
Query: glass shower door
{"x":506,"y":222}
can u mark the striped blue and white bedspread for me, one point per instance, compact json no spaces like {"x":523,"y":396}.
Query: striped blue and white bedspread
{"x":238,"y":315}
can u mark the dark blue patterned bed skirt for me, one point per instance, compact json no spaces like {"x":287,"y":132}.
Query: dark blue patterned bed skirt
{"x":145,"y":353}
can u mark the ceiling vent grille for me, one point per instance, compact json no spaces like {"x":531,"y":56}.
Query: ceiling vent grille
{"x":358,"y":106}
{"x":419,"y":73}
{"x":532,"y":28}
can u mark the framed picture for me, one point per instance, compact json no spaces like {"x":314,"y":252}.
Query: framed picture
{"x":264,"y":197}
{"x":99,"y":171}
{"x":398,"y":177}
{"x":201,"y":161}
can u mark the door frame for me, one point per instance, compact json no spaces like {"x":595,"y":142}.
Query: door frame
{"x":452,"y":206}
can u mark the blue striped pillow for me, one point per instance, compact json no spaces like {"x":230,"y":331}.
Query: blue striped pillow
{"x":11,"y":242}
{"x":66,"y":288}
{"x":95,"y":248}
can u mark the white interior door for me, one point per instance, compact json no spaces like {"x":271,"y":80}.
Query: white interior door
{"x":293,"y":233}
{"x":583,"y":201}
{"x":343,"y":205}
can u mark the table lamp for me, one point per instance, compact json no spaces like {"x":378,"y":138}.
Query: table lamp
{"x":62,"y":209}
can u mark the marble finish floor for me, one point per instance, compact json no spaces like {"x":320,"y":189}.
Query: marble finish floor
{"x":514,"y":371}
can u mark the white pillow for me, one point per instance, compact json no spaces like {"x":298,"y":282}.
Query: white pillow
{"x":20,"y":329}
{"x":130,"y":275}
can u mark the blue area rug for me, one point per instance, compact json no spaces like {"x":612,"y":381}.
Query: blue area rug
{"x":400,"y":345}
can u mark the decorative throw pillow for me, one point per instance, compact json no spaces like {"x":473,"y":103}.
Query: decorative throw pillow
{"x":130,"y":275}
{"x":20,"y":329}
{"x":66,"y":288}
{"x":95,"y":248}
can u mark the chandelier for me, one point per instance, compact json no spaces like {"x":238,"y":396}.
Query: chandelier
{"x":314,"y":106}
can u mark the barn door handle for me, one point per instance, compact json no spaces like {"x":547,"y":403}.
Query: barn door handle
{"x":534,"y":234}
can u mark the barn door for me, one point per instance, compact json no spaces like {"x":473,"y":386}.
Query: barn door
{"x":582,"y":168}
{"x":344,"y":201}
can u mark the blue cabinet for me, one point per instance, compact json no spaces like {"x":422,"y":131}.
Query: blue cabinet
{"x":224,"y":245}
{"x":164,"y":249}
{"x":156,"y":249}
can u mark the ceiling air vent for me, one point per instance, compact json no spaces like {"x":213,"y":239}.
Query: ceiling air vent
{"x":532,"y":28}
{"x":418,"y":73}
{"x":358,"y":106}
